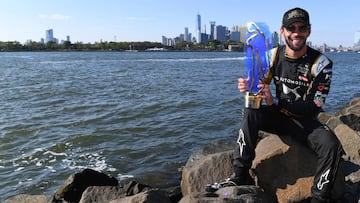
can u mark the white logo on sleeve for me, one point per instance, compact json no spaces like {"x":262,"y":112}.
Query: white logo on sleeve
{"x":241,"y":141}
{"x":323,"y":180}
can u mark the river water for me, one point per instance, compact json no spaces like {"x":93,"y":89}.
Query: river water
{"x":130,"y":115}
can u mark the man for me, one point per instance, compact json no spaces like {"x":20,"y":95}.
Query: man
{"x":302,"y":79}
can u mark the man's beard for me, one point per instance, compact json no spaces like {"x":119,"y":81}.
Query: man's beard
{"x":293,"y":47}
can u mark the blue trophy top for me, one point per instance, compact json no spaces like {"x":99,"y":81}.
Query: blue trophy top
{"x":257,"y":46}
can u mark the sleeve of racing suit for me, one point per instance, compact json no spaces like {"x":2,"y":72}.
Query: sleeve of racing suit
{"x":318,"y":90}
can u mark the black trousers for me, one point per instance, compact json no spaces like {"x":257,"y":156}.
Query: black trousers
{"x":307,"y":130}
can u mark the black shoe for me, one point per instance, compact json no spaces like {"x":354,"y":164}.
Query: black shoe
{"x":244,"y":179}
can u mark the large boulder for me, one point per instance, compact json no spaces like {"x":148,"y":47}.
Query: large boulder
{"x":101,"y":194}
{"x":76,"y":184}
{"x":149,"y":196}
{"x":346,"y":125}
{"x":29,"y":199}
{"x":286,"y":168}
{"x":234,"y":194}
{"x":211,"y":163}
{"x":283,"y":168}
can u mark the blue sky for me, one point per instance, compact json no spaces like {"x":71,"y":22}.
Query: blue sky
{"x":333,"y":22}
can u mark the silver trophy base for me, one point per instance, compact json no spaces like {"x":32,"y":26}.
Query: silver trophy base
{"x":252,"y":101}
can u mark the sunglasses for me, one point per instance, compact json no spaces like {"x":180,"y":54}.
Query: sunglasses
{"x":292,"y":28}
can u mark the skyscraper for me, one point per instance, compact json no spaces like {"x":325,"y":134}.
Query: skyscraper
{"x":49,"y":36}
{"x":198,"y":28}
{"x":212,"y":30}
{"x":186,"y":35}
{"x":220,"y":33}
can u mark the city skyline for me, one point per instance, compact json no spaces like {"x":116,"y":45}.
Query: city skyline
{"x":333,"y":23}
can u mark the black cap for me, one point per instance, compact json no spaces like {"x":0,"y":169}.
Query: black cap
{"x":295,"y":15}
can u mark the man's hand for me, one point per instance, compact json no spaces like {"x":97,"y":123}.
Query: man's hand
{"x":265,"y":93}
{"x":242,"y":84}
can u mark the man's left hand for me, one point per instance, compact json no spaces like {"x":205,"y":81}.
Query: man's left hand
{"x":265,"y":93}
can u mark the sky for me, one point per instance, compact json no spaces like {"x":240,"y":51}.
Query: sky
{"x":89,"y":21}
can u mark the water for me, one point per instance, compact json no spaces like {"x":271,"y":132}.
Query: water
{"x":137,"y":115}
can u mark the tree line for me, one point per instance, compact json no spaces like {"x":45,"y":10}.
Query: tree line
{"x":213,"y":45}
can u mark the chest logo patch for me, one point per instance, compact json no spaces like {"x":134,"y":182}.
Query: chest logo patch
{"x":288,"y":90}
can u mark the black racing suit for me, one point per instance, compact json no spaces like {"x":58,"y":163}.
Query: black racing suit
{"x":302,"y":85}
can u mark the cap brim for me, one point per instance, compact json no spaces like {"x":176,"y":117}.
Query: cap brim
{"x":291,"y":21}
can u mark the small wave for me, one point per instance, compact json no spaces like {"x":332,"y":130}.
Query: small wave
{"x":122,"y":177}
{"x":19,"y":169}
{"x":55,"y":153}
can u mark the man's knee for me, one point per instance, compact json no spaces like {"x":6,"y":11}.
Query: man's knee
{"x":324,"y":139}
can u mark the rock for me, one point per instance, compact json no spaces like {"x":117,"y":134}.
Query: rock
{"x":150,"y":196}
{"x":76,"y":184}
{"x":133,"y":188}
{"x":352,"y":107}
{"x":175,"y":194}
{"x":349,"y":140}
{"x":284,"y":167}
{"x":210,"y":164}
{"x":346,"y":125}
{"x":101,"y":194}
{"x":351,"y":120}
{"x":324,"y":117}
{"x":23,"y":198}
{"x":109,"y":193}
{"x":234,"y":194}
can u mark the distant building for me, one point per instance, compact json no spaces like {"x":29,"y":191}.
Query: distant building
{"x":164,"y":40}
{"x":235,"y":36}
{"x":169,"y":41}
{"x":204,"y":37}
{"x":275,"y":39}
{"x":186,"y":35}
{"x":198,"y":28}
{"x":181,"y":38}
{"x":212,"y":30}
{"x":49,"y":36}
{"x":220,"y":33}
{"x":242,"y":30}
{"x":357,"y":39}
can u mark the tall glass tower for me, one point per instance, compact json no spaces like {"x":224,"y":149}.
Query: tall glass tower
{"x":186,"y":35}
{"x":198,"y":28}
{"x":49,"y":35}
{"x":212,"y":30}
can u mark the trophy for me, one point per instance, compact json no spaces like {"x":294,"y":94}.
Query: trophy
{"x":257,"y":45}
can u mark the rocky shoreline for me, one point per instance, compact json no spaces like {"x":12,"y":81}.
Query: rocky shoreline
{"x":280,"y":171}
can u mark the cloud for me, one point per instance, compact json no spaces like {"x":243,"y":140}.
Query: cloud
{"x":54,"y":17}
